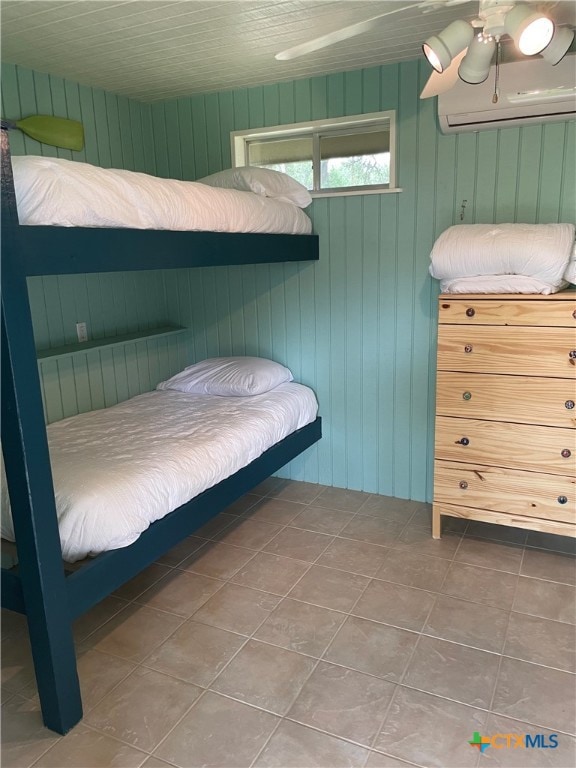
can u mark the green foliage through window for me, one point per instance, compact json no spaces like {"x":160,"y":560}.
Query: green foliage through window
{"x":340,"y":172}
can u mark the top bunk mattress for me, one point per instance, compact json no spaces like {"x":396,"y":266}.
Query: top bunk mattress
{"x":63,"y":193}
{"x":119,"y":469}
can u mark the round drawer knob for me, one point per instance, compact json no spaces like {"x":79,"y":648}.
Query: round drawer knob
{"x":468,"y":348}
{"x":463,"y":441}
{"x":572,"y":354}
{"x":562,"y":499}
{"x":470,"y":312}
{"x":569,"y":404}
{"x":574,"y":314}
{"x":468,"y":396}
{"x":566,"y":453}
{"x":463,"y":484}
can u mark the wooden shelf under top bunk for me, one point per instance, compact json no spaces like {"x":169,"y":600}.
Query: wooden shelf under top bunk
{"x":73,"y":250}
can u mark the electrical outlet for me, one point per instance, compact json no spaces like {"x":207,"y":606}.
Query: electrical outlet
{"x":81,"y":332}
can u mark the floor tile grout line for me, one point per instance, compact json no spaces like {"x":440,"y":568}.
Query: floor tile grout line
{"x":401,"y":760}
{"x":537,"y":664}
{"x":171,"y":730}
{"x":484,"y":709}
{"x":138,"y":604}
{"x":281,"y":595}
{"x":416,"y":644}
{"x":496,"y":713}
{"x":317,"y":729}
{"x":204,"y":687}
{"x":383,"y":721}
{"x":349,"y":614}
{"x":36,"y":760}
{"x":409,"y":687}
{"x":100,"y":732}
{"x":498,"y":671}
{"x":99,"y":701}
{"x":535,"y":547}
{"x":268,"y":740}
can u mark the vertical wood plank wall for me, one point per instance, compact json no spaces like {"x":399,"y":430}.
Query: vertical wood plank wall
{"x":118,"y":134}
{"x":359,"y":327}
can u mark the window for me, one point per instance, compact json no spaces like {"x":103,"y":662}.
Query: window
{"x":348,"y":155}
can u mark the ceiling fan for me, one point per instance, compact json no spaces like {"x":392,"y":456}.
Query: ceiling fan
{"x":465,"y":49}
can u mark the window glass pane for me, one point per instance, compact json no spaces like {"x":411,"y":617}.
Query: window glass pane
{"x":354,"y":143}
{"x":326,"y":156}
{"x":271,"y":151}
{"x":356,"y":171}
{"x":354,"y":160}
{"x":301,"y":171}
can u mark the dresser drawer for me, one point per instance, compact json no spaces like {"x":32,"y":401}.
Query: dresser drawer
{"x":517,"y":446}
{"x":505,"y":518}
{"x":474,"y":310}
{"x":524,"y":399}
{"x":510,"y":350}
{"x":505,"y":490}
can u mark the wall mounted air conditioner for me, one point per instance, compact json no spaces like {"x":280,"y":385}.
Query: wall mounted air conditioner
{"x":531,"y":91}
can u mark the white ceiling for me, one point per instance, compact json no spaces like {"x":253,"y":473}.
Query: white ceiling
{"x":161,"y":49}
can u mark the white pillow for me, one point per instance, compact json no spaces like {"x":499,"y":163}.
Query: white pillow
{"x":261,"y":181}
{"x":570,"y":272}
{"x":229,"y":377}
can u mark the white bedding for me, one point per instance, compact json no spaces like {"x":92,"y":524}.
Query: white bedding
{"x":117,"y":470}
{"x":55,"y":192}
{"x":503,"y":258}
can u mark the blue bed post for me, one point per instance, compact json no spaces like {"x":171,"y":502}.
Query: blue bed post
{"x":29,"y":479}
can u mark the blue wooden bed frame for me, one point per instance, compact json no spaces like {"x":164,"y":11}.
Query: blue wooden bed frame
{"x":40,"y":587}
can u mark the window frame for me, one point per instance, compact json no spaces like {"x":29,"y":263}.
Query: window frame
{"x":239,"y":141}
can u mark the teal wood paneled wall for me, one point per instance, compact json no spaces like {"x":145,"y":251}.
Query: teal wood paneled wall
{"x":118,"y":131}
{"x":118,"y":134}
{"x":360,"y":325}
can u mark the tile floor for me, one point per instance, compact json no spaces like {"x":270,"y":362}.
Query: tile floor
{"x":310,"y":626}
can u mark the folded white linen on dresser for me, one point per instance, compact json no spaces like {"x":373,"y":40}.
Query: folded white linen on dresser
{"x":537,"y":251}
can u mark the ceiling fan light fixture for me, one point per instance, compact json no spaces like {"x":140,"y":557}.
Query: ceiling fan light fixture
{"x":558,"y":47}
{"x":530,"y":30}
{"x":441,"y":49}
{"x":475,"y":66}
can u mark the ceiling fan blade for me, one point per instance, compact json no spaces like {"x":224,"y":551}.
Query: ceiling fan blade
{"x":440,"y":82}
{"x":340,"y":34}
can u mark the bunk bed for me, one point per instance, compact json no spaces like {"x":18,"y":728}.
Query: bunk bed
{"x":40,"y":587}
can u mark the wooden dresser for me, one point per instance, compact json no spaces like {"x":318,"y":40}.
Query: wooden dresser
{"x":505,"y":449}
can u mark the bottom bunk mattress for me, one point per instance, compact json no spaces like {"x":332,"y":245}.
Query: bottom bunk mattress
{"x":119,"y":469}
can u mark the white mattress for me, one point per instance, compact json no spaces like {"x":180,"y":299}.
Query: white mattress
{"x":55,"y":192}
{"x":117,"y":470}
